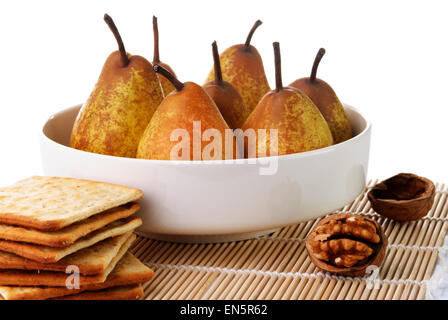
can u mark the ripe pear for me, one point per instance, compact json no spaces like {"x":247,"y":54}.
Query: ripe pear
{"x":326,"y":100}
{"x":300,"y":125}
{"x":226,"y":97}
{"x":242,"y":66}
{"x":114,"y":117}
{"x":167,"y":87}
{"x":184,"y":118}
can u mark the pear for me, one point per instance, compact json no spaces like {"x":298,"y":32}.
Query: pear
{"x":226,"y":97}
{"x":326,"y":100}
{"x":185,"y":118}
{"x":292,"y":122}
{"x":242,"y":66}
{"x":114,"y":117}
{"x":167,"y":87}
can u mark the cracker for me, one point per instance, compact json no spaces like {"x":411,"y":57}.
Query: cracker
{"x":52,"y":203}
{"x":91,"y":260}
{"x":129,"y":271}
{"x":68,"y":235}
{"x":58,"y":279}
{"x":50,"y":255}
{"x":117,"y":293}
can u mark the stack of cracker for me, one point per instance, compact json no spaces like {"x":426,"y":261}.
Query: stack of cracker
{"x":64,"y":238}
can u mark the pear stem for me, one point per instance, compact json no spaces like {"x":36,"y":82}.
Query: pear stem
{"x":251,"y":33}
{"x":218,"y":72}
{"x":278,"y":67}
{"x":113,"y":28}
{"x":155,"y":29}
{"x":319,"y":56}
{"x":176,"y":83}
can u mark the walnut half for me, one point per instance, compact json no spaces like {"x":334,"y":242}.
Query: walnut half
{"x":346,"y":244}
{"x":403,"y":197}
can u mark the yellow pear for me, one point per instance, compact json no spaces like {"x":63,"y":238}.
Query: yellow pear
{"x":186,"y":126}
{"x":292,"y":122}
{"x":226,"y":97}
{"x":326,"y":100}
{"x":242,"y":66}
{"x":118,"y":110}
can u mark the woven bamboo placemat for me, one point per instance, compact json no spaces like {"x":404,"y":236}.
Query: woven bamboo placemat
{"x":277,"y":266}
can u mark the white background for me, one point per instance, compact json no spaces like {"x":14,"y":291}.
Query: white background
{"x":387,"y":58}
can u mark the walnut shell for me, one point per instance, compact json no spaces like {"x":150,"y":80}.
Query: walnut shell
{"x":403,"y":197}
{"x":377,"y":242}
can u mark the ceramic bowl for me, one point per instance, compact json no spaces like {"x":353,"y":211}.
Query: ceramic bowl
{"x":221,"y":200}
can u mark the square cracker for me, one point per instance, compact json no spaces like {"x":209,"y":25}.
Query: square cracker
{"x":59,"y":279}
{"x":116,"y":293}
{"x":128,"y":271}
{"x":52,"y":203}
{"x":50,"y":255}
{"x":68,"y":235}
{"x":91,"y":260}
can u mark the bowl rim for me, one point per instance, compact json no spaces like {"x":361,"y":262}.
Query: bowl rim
{"x":305,"y":154}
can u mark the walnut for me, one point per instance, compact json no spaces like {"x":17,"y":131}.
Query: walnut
{"x":403,"y":197}
{"x":346,"y":244}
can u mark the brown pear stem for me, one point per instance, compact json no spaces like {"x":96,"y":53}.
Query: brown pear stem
{"x":155,"y":29}
{"x":278,"y":67}
{"x":113,"y":28}
{"x":218,"y":72}
{"x":176,"y":83}
{"x":251,"y":33}
{"x":319,"y":56}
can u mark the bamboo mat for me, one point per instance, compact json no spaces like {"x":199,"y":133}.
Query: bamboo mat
{"x":277,"y":266}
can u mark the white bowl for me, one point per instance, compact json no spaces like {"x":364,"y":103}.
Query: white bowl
{"x":220,"y":200}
